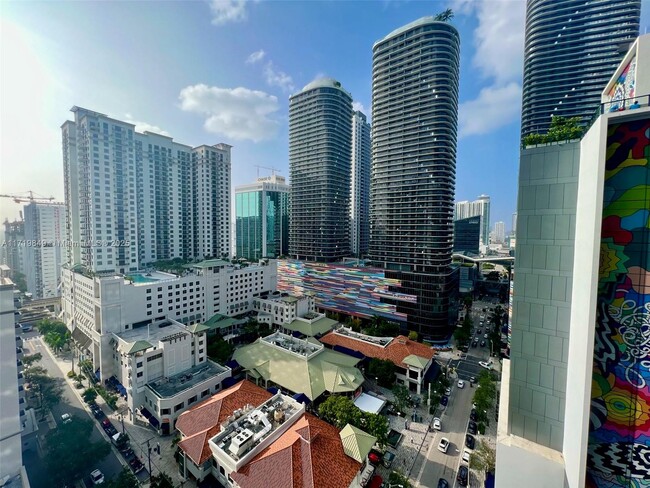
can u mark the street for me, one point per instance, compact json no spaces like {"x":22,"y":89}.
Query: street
{"x":70,"y":404}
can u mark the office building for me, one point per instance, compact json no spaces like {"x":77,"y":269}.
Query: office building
{"x":10,"y":421}
{"x":415,"y":118}
{"x":15,"y":248}
{"x":360,"y":186}
{"x":45,"y":231}
{"x":95,"y":307}
{"x":479,"y":207}
{"x":467,"y":235}
{"x":134,"y":198}
{"x":262,"y":218}
{"x":575,"y":395}
{"x":499,"y":233}
{"x":572,"y":47}
{"x":320,"y":152}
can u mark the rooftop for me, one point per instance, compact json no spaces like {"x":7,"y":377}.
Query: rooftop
{"x":375,"y":341}
{"x":310,"y":327}
{"x":405,"y":28}
{"x":172,"y":386}
{"x":324,"y":83}
{"x":250,"y":427}
{"x":210,"y":263}
{"x":299,"y":347}
{"x":141,"y":338}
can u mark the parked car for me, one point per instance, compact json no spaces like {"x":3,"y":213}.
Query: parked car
{"x":482,"y":343}
{"x":485,"y":336}
{"x":66,"y":418}
{"x":444,"y":400}
{"x":448,"y":392}
{"x":472,"y":428}
{"x":485,"y":364}
{"x":437,"y":425}
{"x":475,"y":344}
{"x":463,"y":475}
{"x":461,"y":384}
{"x":128,"y":454}
{"x":97,"y":477}
{"x":443,"y":445}
{"x":136,"y":465}
{"x":443,"y":483}
{"x":388,"y":459}
{"x":470,"y":441}
{"x":473,"y":415}
{"x":466,"y":454}
{"x":26,"y":328}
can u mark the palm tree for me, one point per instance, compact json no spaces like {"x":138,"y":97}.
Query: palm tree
{"x":445,"y":16}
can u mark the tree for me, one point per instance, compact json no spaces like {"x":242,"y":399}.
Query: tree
{"x":375,"y":425}
{"x":396,"y":478}
{"x":485,"y":394}
{"x":122,"y":441}
{"x":62,"y":459}
{"x":55,"y":333}
{"x":339,"y":411}
{"x":383,"y":370}
{"x":483,"y":458}
{"x":47,"y":390}
{"x":163,"y":480}
{"x":219,"y":350}
{"x":89,"y":395}
{"x":402,"y":397}
{"x":562,"y":129}
{"x":126,"y":479}
{"x":413,"y":336}
{"x":29,"y":360}
{"x":445,"y":16}
{"x":467,"y":301}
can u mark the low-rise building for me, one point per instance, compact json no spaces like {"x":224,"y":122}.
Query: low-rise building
{"x":163,"y":369}
{"x":413,"y":361}
{"x":247,"y":437}
{"x":299,"y":366}
{"x":97,"y":306}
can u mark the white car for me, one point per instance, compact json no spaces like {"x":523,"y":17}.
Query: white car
{"x":461,"y":384}
{"x":444,"y":445}
{"x":485,"y":364}
{"x":97,"y":477}
{"x":485,"y":336}
{"x":448,"y":392}
{"x":66,"y":418}
{"x":437,"y":425}
{"x":466,"y":454}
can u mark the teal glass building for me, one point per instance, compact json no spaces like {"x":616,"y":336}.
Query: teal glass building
{"x":262,"y":218}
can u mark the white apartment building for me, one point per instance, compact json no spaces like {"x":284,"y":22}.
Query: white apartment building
{"x":499,"y":233}
{"x":360,"y":185}
{"x":97,"y":307}
{"x":135,"y":198}
{"x":163,"y":368}
{"x":479,"y":207}
{"x":280,"y":309}
{"x":45,"y":254}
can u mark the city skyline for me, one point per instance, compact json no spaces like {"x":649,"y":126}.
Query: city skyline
{"x":44,"y":75}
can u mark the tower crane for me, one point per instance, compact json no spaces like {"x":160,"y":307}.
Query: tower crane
{"x":29,"y":199}
{"x":273,"y":170}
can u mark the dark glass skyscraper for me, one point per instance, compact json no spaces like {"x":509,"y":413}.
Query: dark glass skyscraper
{"x":467,"y":234}
{"x":572,"y":49}
{"x":415,"y":116}
{"x":320,"y":151}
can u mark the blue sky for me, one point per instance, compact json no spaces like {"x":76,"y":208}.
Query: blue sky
{"x":222,"y":71}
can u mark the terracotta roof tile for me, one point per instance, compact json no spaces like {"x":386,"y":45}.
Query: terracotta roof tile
{"x":395,"y":351}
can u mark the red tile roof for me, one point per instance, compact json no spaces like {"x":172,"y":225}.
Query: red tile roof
{"x":395,"y":351}
{"x":308,"y":455}
{"x":203,"y":421}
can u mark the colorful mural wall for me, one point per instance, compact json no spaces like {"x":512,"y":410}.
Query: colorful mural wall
{"x":619,"y":436}
{"x":623,"y":88}
{"x":345,"y":289}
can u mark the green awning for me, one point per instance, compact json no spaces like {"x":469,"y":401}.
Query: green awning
{"x":356,"y":442}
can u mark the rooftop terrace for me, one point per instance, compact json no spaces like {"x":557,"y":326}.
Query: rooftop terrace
{"x":154,"y":333}
{"x":376,"y":341}
{"x":299,"y":347}
{"x":172,"y":386}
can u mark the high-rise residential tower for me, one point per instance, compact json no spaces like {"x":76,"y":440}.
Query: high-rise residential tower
{"x":572,"y":47}
{"x":415,"y":117}
{"x":15,"y":252}
{"x":360,"y":186}
{"x":499,"y":232}
{"x":262,"y":218}
{"x":479,"y":207}
{"x":45,"y":231}
{"x":135,"y":198}
{"x":320,"y":138}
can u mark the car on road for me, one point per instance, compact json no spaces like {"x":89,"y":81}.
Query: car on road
{"x":470,"y":441}
{"x":485,"y":336}
{"x":108,"y":428}
{"x":482,"y":343}
{"x":437,"y":425}
{"x":443,"y":483}
{"x":466,"y":454}
{"x":136,"y":465}
{"x":97,"y":477}
{"x":448,"y":392}
{"x":485,"y":364}
{"x":66,"y":418}
{"x":443,"y":445}
{"x":444,"y":401}
{"x":461,"y":384}
{"x":472,"y":428}
{"x":475,"y":343}
{"x":472,"y":379}
{"x":388,"y":459}
{"x":463,"y":475}
{"x":26,"y":328}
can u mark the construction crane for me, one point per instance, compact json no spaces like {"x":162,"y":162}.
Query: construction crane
{"x":29,"y":199}
{"x":273,"y":170}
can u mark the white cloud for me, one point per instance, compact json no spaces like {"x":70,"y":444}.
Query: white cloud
{"x":238,"y":113}
{"x":255,"y":57}
{"x":224,"y":11}
{"x":144,"y":126}
{"x":493,"y":108}
{"x":358,"y":106}
{"x":275,"y":77}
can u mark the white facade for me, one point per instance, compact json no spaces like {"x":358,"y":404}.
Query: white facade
{"x":479,"y":207}
{"x":280,"y":310}
{"x":102,"y":306}
{"x":499,"y":232}
{"x":360,"y":186}
{"x":45,"y":252}
{"x":136,"y":198}
{"x":10,"y":424}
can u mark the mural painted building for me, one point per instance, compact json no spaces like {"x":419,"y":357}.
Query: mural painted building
{"x":575,"y":395}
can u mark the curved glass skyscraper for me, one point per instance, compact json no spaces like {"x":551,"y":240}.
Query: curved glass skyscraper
{"x":320,"y":152}
{"x":415,"y":116}
{"x":572,"y":50}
